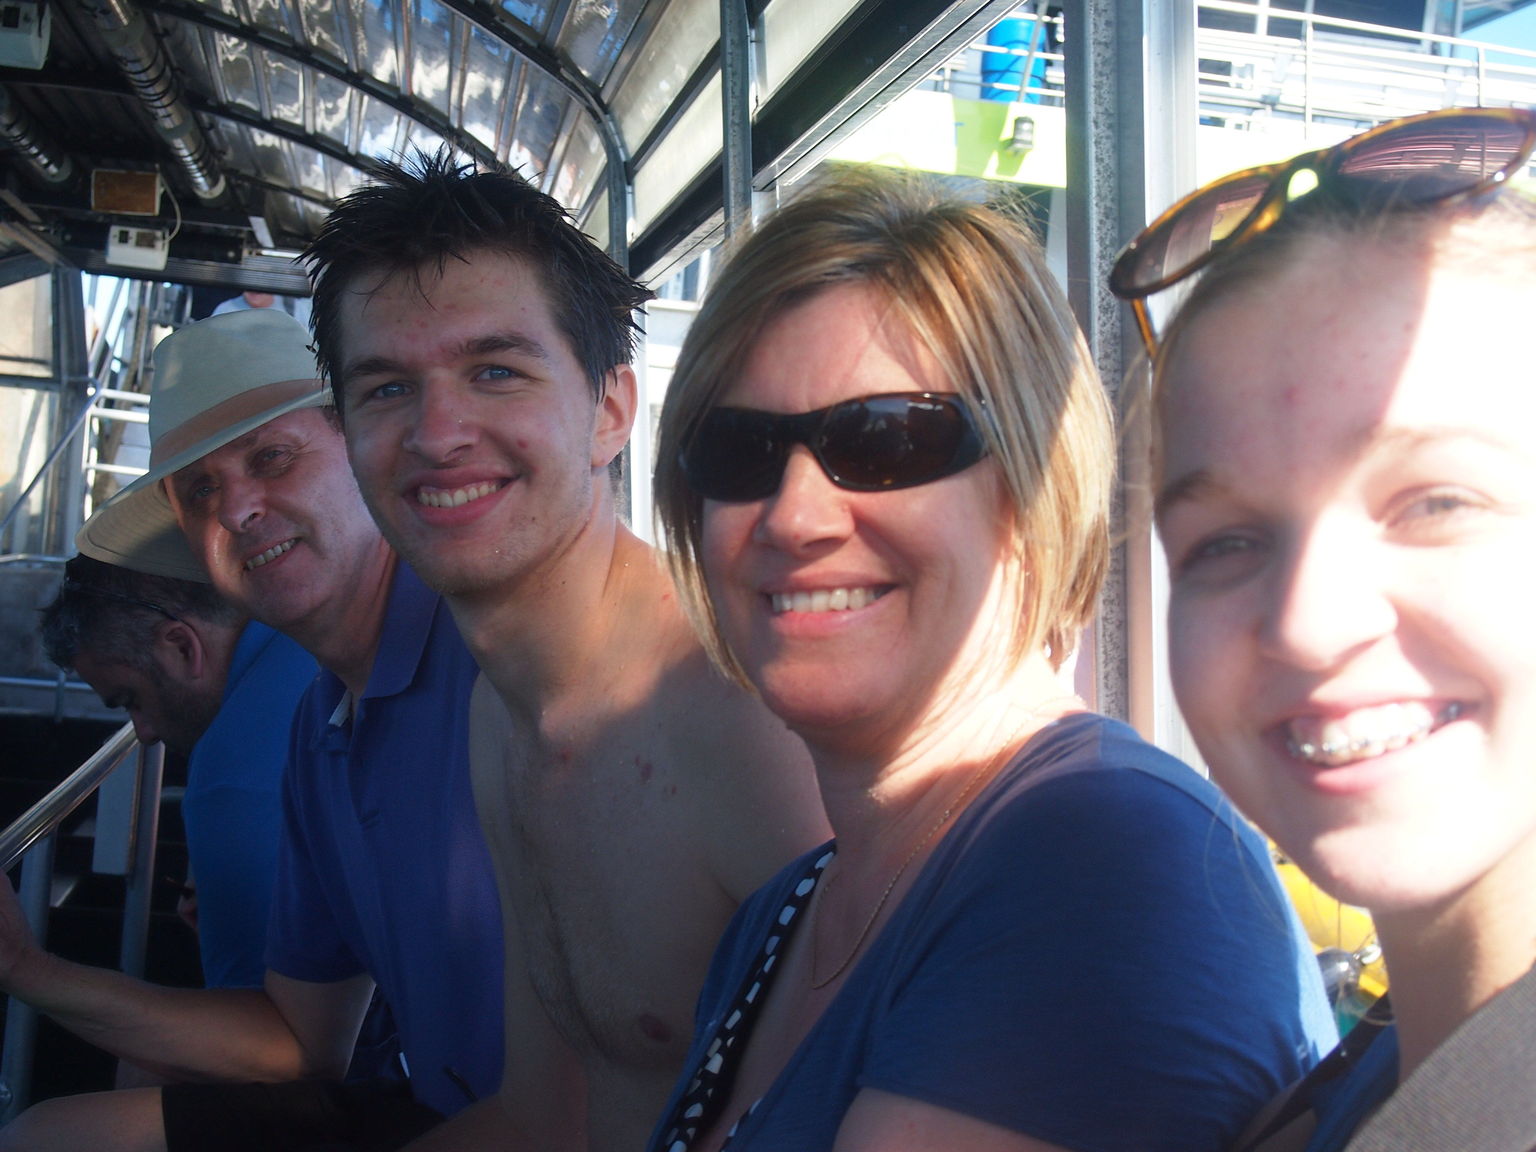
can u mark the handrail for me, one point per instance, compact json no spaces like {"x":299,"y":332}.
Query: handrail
{"x":53,"y":458}
{"x":31,"y":840}
{"x":38,"y":682}
{"x":49,"y":812}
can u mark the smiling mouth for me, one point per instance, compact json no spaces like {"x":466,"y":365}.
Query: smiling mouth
{"x":825,"y":600}
{"x":456,"y":497}
{"x":269,"y":555}
{"x":1365,"y":734}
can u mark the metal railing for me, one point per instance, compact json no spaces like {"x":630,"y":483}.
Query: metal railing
{"x":69,"y":448}
{"x":1283,"y":63}
{"x":93,"y":376}
{"x":977,"y":72}
{"x":1301,"y":66}
{"x":127,"y":821}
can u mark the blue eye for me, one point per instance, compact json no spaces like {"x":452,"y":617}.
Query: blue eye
{"x":1224,"y":546}
{"x":1439,"y":504}
{"x":390,"y":391}
{"x":1218,"y":556}
{"x":1440,"y":515}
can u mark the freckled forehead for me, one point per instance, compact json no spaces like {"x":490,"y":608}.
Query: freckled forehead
{"x":1333,"y":356}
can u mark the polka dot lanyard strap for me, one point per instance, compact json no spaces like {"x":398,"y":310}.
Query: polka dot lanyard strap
{"x":711,"y":1082}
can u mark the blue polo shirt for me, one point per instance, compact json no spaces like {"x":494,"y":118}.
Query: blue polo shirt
{"x":232,"y":809}
{"x":383,"y":868}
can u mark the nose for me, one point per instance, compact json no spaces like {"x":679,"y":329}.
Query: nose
{"x":807,"y":510}
{"x":1329,"y":601}
{"x":439,"y":431}
{"x":143,"y":728}
{"x":242,"y":499}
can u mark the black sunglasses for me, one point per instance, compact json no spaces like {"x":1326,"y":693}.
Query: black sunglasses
{"x":1407,"y":163}
{"x":873,"y":444}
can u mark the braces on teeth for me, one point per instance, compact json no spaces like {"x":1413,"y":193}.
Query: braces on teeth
{"x":1331,"y":753}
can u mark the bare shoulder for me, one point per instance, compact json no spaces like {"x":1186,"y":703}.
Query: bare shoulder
{"x":759,"y":798}
{"x":724,"y":716}
{"x":752,"y":802}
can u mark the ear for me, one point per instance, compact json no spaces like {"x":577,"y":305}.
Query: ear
{"x":180,"y":651}
{"x":615,"y":414}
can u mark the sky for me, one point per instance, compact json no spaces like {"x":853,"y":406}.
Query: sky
{"x":1517,"y":30}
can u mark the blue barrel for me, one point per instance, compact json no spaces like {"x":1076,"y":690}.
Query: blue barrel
{"x":1002,"y":74}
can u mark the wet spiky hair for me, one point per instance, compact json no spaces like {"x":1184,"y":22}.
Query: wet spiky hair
{"x":413,"y":216}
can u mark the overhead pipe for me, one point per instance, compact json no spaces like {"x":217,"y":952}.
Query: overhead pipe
{"x":145,"y":63}
{"x":21,"y":131}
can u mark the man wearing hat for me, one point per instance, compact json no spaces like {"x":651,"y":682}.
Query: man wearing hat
{"x":382,"y":874}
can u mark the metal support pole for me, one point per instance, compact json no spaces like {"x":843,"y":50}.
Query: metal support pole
{"x":1131,"y":114}
{"x":1093,"y":74}
{"x":117,"y":819}
{"x":72,"y":365}
{"x":141,"y":880}
{"x":21,"y":1019}
{"x":620,"y":192}
{"x":1306,"y":77}
{"x":736,"y":113}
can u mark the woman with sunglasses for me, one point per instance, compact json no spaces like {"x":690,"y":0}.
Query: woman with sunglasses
{"x":1346,"y":492}
{"x":884,"y":472}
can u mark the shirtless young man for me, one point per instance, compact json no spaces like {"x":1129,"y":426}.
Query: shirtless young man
{"x":479,"y":346}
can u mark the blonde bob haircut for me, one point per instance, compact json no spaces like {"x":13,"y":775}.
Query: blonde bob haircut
{"x":972,"y":286}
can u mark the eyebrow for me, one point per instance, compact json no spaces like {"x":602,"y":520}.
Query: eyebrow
{"x":1202,"y":482}
{"x":487,"y":345}
{"x":1408,"y":439}
{"x":195,"y":473}
{"x":192,"y":474}
{"x":1189,"y":486}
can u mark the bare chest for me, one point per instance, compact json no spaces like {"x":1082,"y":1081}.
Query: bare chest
{"x":612,"y":891}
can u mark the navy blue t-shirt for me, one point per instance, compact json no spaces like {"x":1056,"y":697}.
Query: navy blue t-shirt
{"x":1342,"y":1106}
{"x":1098,"y":954}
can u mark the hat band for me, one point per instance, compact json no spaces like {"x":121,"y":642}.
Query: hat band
{"x":228,"y":413}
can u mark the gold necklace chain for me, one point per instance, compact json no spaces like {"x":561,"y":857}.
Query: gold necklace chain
{"x":817,"y":985}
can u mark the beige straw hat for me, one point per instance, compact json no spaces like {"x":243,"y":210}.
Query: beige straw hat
{"x":214,"y":381}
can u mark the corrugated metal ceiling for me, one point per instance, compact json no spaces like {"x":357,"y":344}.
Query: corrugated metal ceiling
{"x":268,"y":109}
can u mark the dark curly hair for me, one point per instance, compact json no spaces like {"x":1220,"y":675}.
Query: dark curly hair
{"x":112,"y":612}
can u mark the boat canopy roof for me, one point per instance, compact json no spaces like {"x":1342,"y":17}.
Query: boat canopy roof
{"x":256,"y":115}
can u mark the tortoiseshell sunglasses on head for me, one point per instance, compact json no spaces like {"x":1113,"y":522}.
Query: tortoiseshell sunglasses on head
{"x":1406,"y":163}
